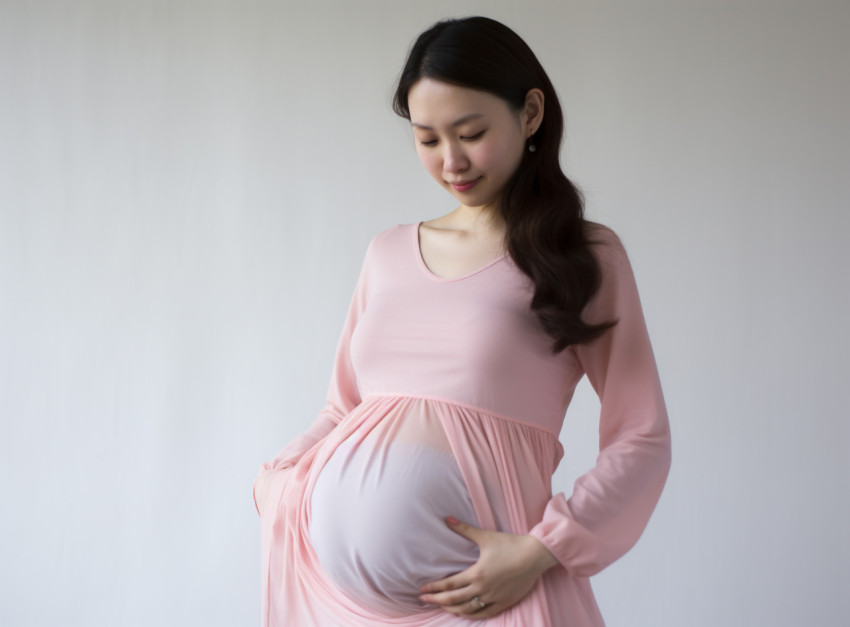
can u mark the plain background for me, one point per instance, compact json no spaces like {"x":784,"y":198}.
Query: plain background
{"x":186,"y":193}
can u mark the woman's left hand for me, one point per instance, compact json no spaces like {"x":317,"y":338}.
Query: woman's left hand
{"x":508,"y":566}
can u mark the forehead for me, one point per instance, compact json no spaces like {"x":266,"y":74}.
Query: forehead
{"x":437,"y":104}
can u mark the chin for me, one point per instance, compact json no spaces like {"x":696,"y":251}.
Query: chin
{"x":471,"y":200}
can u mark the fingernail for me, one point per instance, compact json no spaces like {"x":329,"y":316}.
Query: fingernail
{"x":452,"y":520}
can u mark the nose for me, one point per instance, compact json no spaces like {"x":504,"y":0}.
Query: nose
{"x":454,"y":158}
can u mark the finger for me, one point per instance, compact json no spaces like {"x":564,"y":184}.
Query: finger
{"x":452,"y":582}
{"x":451,"y":598}
{"x":466,"y":530}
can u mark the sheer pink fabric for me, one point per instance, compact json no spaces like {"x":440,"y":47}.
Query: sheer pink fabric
{"x":427,"y":366}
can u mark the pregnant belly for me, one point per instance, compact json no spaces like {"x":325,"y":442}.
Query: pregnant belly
{"x":377,"y":521}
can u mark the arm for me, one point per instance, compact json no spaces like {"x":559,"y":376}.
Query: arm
{"x":611,"y":504}
{"x":343,"y":394}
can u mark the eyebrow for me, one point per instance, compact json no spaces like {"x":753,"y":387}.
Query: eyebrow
{"x":457,"y":122}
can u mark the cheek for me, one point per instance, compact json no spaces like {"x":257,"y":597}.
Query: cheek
{"x":431,"y":163}
{"x":500,"y":158}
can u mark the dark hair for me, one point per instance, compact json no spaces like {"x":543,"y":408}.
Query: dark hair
{"x":547,"y":235}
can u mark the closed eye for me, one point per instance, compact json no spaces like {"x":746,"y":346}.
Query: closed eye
{"x":473,"y":137}
{"x":466,"y":138}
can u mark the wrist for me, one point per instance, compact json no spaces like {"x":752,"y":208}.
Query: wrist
{"x":542,"y":558}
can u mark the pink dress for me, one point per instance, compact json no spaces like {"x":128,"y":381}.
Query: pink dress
{"x":445,"y":399}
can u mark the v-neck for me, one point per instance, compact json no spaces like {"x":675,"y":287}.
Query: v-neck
{"x":427,"y":271}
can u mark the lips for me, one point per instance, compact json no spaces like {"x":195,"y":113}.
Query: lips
{"x":462,"y":186}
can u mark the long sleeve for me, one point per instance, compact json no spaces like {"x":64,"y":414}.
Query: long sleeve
{"x":343,"y":394}
{"x":611,"y":504}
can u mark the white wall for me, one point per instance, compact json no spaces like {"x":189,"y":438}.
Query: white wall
{"x":186,"y":191}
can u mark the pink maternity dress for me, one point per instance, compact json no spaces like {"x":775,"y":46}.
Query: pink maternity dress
{"x":445,"y":399}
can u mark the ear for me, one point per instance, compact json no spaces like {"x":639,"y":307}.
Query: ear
{"x":532,"y":113}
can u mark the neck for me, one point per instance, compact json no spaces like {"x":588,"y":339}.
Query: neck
{"x":483,"y":218}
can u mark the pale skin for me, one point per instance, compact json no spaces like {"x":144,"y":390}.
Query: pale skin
{"x":462,"y":135}
{"x":465,"y":135}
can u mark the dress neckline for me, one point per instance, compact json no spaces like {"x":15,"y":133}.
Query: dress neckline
{"x":427,"y":271}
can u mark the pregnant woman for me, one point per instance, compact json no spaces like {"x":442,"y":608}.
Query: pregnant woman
{"x":421,"y":495}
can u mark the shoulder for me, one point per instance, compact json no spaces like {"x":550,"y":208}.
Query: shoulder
{"x":617,"y":296}
{"x":606,"y":245}
{"x":390,"y":234}
{"x":601,"y":235}
{"x":390,"y":241}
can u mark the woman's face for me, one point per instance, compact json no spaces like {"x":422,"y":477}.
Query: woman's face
{"x":470,"y":141}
